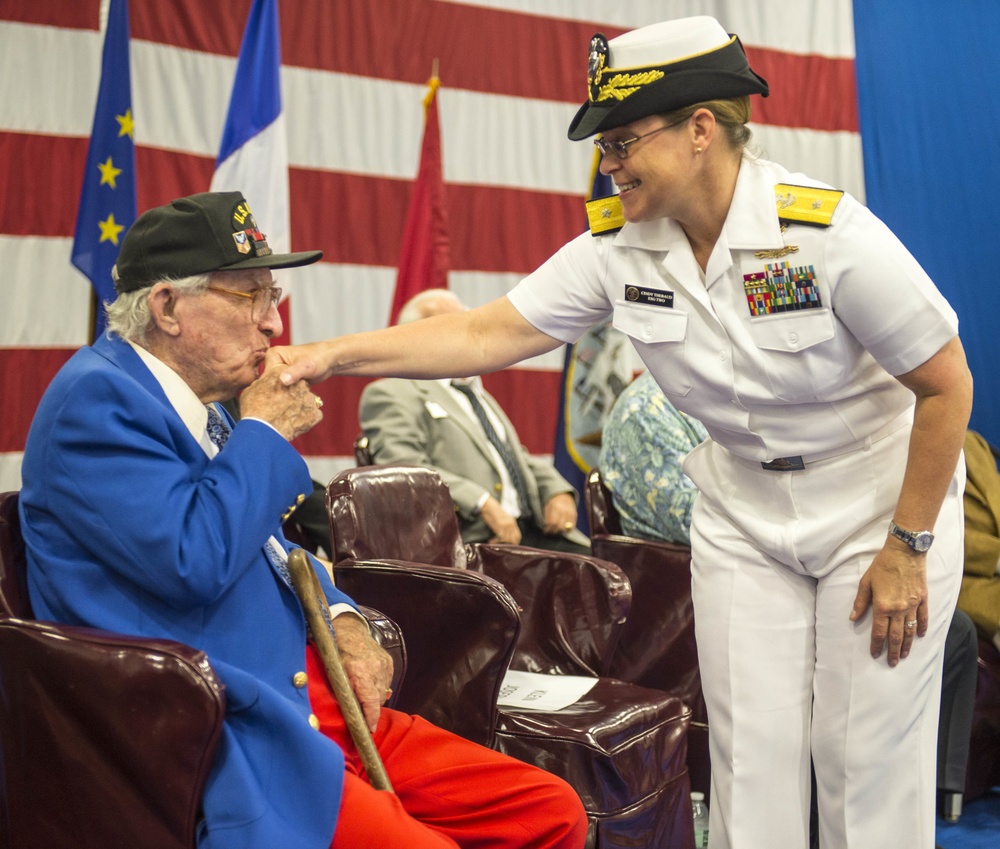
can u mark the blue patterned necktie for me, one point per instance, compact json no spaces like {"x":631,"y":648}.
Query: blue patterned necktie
{"x":278,"y":562}
{"x":281,"y":564}
{"x":502,"y":446}
{"x":218,"y":430}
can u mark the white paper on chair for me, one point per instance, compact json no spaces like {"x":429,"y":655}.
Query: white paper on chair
{"x":536,"y":691}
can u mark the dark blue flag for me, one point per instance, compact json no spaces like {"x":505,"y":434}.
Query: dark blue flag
{"x":108,"y":201}
{"x":585,"y":398}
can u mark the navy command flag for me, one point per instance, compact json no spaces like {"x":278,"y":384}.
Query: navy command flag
{"x":108,"y":201}
{"x":597,"y":368}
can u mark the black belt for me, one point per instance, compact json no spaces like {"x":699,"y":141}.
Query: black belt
{"x":798,"y":462}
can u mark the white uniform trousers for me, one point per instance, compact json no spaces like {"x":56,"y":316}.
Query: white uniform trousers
{"x":777,"y":557}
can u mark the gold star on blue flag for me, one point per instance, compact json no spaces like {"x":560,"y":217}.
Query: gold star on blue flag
{"x":108,"y":199}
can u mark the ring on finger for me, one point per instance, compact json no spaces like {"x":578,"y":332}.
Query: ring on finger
{"x":910,"y":623}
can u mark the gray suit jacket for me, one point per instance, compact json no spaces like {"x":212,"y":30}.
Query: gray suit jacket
{"x":420,"y":423}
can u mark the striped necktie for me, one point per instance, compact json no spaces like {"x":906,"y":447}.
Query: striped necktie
{"x":502,"y":446}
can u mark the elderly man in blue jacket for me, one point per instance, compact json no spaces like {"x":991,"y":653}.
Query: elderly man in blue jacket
{"x":147,"y":511}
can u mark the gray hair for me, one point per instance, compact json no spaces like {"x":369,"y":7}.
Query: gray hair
{"x":129,"y":314}
{"x":416,"y":308}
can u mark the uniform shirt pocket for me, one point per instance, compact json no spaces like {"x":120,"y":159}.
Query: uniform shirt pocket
{"x":660,"y":335}
{"x":799,"y":352}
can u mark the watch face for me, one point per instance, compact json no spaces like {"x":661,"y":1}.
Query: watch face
{"x":919,"y":541}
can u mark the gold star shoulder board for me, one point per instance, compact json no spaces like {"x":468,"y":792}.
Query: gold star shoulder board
{"x":605,"y":215}
{"x":806,"y":204}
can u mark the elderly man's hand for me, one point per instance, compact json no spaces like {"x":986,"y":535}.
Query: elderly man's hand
{"x":291,"y":410}
{"x":367,"y":664}
{"x":498,"y":520}
{"x":559,"y":514}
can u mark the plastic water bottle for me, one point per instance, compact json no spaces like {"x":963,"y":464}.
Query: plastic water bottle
{"x":700,"y":811}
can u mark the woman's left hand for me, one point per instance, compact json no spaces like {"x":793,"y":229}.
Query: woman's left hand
{"x":895,"y":587}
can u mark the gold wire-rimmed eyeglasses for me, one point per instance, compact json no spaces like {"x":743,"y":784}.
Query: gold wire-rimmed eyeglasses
{"x":619,"y":149}
{"x":261,"y":299}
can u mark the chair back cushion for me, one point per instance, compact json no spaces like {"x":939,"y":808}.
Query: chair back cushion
{"x":13,"y":567}
{"x":460,"y":628}
{"x":657,"y":645}
{"x":573,"y":608}
{"x":393,"y":513}
{"x":984,"y":747}
{"x":104,"y":740}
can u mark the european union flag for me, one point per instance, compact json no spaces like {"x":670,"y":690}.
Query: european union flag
{"x":108,"y":201}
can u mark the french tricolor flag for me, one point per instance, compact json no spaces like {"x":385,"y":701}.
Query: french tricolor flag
{"x":253,"y":154}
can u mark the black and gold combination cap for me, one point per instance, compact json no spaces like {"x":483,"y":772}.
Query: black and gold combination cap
{"x":659,"y":68}
{"x":211,"y":231}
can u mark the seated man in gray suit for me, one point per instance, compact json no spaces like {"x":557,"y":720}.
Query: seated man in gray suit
{"x":501,"y":493}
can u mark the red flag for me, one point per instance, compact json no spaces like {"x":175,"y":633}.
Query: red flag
{"x":423,"y":255}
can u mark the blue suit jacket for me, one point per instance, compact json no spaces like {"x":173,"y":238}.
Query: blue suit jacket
{"x":130,"y":527}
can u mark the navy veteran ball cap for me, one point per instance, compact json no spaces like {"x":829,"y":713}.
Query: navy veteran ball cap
{"x":212,"y":231}
{"x":659,"y":68}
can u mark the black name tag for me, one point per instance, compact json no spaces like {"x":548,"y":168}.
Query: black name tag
{"x":653,"y":297}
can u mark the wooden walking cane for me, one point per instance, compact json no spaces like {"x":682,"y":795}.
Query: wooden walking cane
{"x":310,"y":593}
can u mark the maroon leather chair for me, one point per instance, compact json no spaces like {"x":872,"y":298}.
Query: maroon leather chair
{"x":622,"y":747}
{"x":105,"y":740}
{"x":657,"y":646}
{"x":984,"y":747}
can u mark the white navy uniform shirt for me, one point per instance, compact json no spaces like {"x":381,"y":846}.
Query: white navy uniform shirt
{"x":800,"y":382}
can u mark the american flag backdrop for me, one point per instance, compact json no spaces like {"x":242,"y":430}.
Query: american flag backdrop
{"x":353,"y":79}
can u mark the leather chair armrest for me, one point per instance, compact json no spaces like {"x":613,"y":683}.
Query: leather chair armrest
{"x":460,"y":629}
{"x":390,"y":636}
{"x":600,"y":506}
{"x":573,"y":607}
{"x":115,"y":734}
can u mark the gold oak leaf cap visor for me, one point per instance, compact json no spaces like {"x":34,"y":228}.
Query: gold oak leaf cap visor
{"x":659,"y":68}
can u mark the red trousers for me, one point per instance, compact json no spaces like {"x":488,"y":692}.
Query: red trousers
{"x":448,"y":792}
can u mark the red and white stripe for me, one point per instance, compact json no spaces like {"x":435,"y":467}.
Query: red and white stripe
{"x":353,"y":79}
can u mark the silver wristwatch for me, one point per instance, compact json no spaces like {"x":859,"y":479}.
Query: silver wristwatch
{"x":917,"y":540}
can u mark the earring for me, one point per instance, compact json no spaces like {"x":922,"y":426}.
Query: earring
{"x":697,"y":150}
